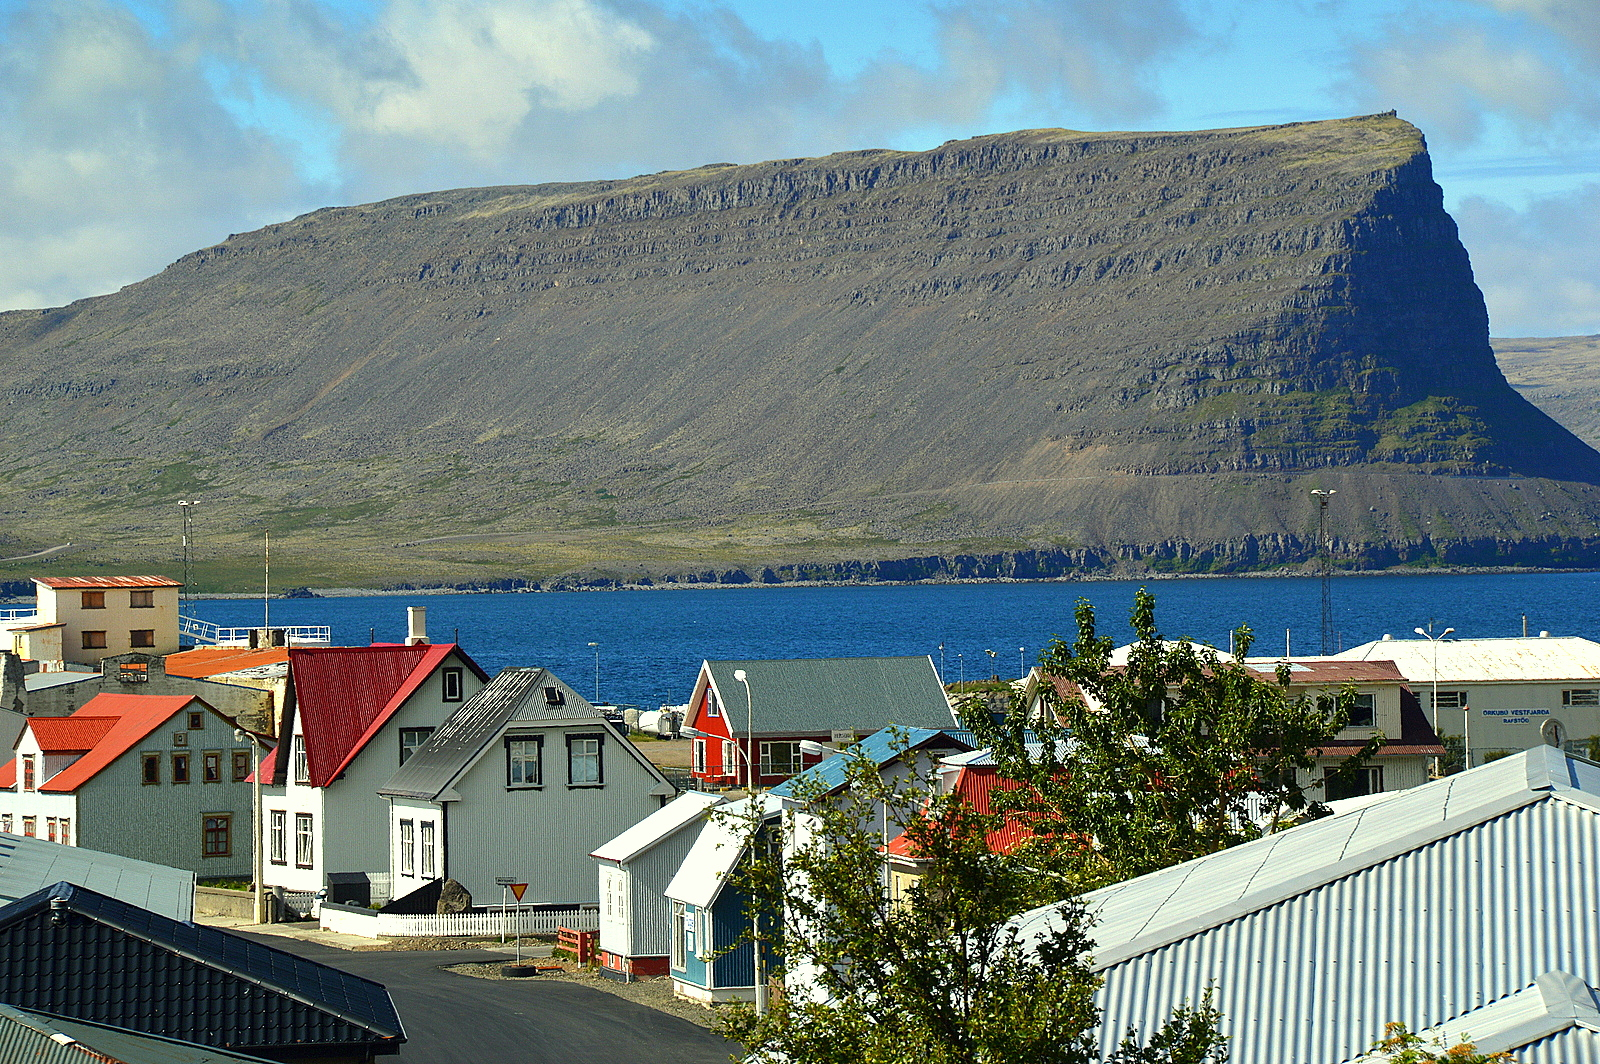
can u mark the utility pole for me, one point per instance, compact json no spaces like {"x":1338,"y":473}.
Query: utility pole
{"x":1325,"y":565}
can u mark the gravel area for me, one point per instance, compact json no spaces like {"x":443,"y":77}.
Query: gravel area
{"x":655,"y":993}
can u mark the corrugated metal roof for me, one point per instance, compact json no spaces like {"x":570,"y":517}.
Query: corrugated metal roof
{"x":192,"y":982}
{"x":879,"y":748}
{"x":28,"y":865}
{"x":60,"y":582}
{"x":76,"y":733}
{"x":133,"y":718}
{"x":201,"y":662}
{"x":1527,"y":1023}
{"x":517,"y":693}
{"x":716,"y":852}
{"x":1309,"y":671}
{"x":43,"y":681}
{"x":1421,"y":908}
{"x":1486,"y":660}
{"x":683,"y":811}
{"x":812,"y":696}
{"x":40,"y":1039}
{"x":343,"y":696}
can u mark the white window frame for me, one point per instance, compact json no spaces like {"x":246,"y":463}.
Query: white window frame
{"x":1581,"y":696}
{"x":305,"y":841}
{"x":697,"y":756}
{"x":712,"y":709}
{"x":1450,"y":700}
{"x":412,"y":740}
{"x":452,"y":685}
{"x":517,"y":747}
{"x":301,"y":764}
{"x":408,"y":848}
{"x":682,"y":936}
{"x":730,"y":758}
{"x":429,"y":851}
{"x":791,"y":766}
{"x":278,"y":837}
{"x":586,"y":761}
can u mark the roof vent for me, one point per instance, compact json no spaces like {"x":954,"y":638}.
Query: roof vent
{"x":1544,"y":635}
{"x":554,"y":697}
{"x":1387,"y":638}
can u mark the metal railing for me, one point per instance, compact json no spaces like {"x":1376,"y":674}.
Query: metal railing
{"x":298,"y":635}
{"x":23,"y":613}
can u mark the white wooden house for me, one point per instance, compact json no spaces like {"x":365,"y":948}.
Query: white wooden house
{"x":522,"y":782}
{"x":159,"y":778}
{"x":635,"y":868}
{"x":353,"y":716}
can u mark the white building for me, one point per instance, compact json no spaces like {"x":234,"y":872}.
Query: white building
{"x":85,"y":618}
{"x":1504,"y":695}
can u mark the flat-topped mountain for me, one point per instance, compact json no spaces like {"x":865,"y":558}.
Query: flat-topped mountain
{"x":1107,"y":345}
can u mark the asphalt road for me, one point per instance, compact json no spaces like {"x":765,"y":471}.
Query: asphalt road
{"x":455,"y":1019}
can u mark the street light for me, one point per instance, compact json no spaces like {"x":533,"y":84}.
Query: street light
{"x":240,"y":735}
{"x":1466,"y":750}
{"x":1325,"y":567}
{"x":749,"y":730}
{"x":596,"y":648}
{"x":188,"y":529}
{"x":750,"y":786}
{"x":1022,"y":662}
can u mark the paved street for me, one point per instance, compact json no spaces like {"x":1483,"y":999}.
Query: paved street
{"x":455,"y":1019}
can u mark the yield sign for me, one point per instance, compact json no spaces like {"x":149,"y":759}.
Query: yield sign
{"x":518,"y":888}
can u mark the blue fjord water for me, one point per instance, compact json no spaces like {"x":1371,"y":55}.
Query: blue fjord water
{"x":651,"y":642}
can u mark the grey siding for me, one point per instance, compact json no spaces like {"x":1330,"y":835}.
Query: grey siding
{"x":649,"y":911}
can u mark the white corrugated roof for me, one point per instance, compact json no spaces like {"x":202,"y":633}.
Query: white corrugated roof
{"x":1486,"y":660}
{"x":668,"y":820}
{"x":1420,"y":908}
{"x":1554,"y":1021}
{"x":28,"y":865}
{"x":714,"y":854}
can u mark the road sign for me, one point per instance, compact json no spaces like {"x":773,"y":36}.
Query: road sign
{"x":504,"y":881}
{"x":517,"y":889}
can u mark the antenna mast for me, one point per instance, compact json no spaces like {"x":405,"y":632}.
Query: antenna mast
{"x":1325,"y":567}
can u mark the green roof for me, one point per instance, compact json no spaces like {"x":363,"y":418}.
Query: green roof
{"x":819,"y":695}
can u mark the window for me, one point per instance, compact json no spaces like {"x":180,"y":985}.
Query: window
{"x":94,"y":640}
{"x":277,"y":842}
{"x":452,"y":685}
{"x":1365,"y":781}
{"x":1364,"y":711}
{"x":408,"y":848}
{"x":217,"y":832}
{"x":554,"y":696}
{"x":142,"y":637}
{"x":712,"y":708}
{"x":180,"y":738}
{"x":30,"y":780}
{"x":66,"y":831}
{"x":50,"y":828}
{"x":180,"y":768}
{"x":30,"y":826}
{"x":780,"y":759}
{"x":241,"y":765}
{"x":302,"y":840}
{"x":730,"y":757}
{"x":197,"y":719}
{"x":211,"y":766}
{"x":697,"y":755}
{"x":94,"y":600}
{"x":302,"y":768}
{"x":1451,"y":700}
{"x":428,"y":851}
{"x":150,"y":768}
{"x":410,"y":739}
{"x":583,"y":761}
{"x":523,"y":766}
{"x":142,"y":600}
{"x":1582,"y":697}
{"x":5,"y":823}
{"x":682,"y":935}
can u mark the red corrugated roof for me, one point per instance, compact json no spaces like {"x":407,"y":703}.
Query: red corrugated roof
{"x":210,"y":661}
{"x":60,"y":735}
{"x":132,"y":717}
{"x":343,"y":696}
{"x":106,"y":581}
{"x":974,"y":785}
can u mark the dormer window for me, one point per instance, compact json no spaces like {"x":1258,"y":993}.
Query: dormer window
{"x":554,"y":697}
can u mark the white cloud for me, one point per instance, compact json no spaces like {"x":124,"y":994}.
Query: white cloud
{"x":1539,"y":268}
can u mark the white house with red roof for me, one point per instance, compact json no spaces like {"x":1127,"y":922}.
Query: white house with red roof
{"x":353,"y":715}
{"x":159,"y":778}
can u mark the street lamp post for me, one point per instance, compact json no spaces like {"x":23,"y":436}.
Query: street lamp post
{"x":1022,"y":662}
{"x":750,"y":786}
{"x":1466,"y":751}
{"x":241,"y":735}
{"x":188,"y":531}
{"x":596,"y":648}
{"x":1325,"y":567}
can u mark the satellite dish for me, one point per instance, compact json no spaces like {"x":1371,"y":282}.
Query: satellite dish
{"x":1553,"y":732}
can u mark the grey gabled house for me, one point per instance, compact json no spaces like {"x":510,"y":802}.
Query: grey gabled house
{"x":522,"y":782}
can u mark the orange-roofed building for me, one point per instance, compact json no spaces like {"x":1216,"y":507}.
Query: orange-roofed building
{"x":158,"y":778}
{"x":202,"y":663}
{"x":84,"y":619}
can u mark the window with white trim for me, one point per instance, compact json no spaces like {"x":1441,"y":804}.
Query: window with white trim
{"x":1583,"y":696}
{"x":712,"y":708}
{"x":30,"y":779}
{"x":1451,"y":700}
{"x":429,"y":852}
{"x":697,"y":756}
{"x":66,"y":831}
{"x":410,"y":740}
{"x":302,"y":767}
{"x":408,"y":848}
{"x":304,"y":841}
{"x":524,"y":761}
{"x":780,"y":759}
{"x":5,"y":823}
{"x":278,"y":838}
{"x":730,"y":757}
{"x":682,"y":936}
{"x":1363,"y":781}
{"x":451,"y":681}
{"x":584,"y":767}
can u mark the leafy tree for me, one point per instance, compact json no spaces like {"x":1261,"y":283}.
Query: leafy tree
{"x":1174,"y":754}
{"x":940,"y":974}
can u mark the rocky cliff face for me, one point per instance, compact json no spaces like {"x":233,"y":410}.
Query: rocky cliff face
{"x":1047,"y":338}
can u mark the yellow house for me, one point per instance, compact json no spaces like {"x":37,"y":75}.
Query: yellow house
{"x":99,"y":616}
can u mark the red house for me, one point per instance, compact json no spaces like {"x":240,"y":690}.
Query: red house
{"x":753,"y":715}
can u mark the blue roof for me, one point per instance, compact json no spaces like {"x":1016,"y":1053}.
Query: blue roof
{"x":879,"y":748}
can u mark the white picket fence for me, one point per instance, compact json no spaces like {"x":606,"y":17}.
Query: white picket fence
{"x":540,"y":921}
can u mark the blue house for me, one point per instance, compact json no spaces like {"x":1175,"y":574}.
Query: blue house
{"x":712,"y":959}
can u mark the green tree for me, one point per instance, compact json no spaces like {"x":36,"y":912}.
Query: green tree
{"x":1399,"y":1045}
{"x":940,"y":974}
{"x":1173,"y":754}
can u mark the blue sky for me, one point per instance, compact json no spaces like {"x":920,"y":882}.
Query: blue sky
{"x":134,"y":131}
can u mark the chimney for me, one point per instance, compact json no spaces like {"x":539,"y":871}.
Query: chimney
{"x":416,"y":625}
